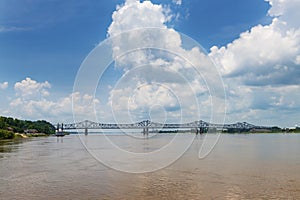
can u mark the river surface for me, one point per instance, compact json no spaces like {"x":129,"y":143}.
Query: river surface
{"x":254,"y":166}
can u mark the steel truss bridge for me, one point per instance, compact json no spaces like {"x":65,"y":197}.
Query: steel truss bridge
{"x":197,"y":126}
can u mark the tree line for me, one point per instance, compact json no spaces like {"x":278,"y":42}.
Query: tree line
{"x":9,"y":126}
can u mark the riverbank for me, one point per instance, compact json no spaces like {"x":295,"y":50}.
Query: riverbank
{"x":23,"y":135}
{"x":4,"y":134}
{"x":12,"y":127}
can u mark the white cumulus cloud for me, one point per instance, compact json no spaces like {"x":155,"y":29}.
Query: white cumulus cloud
{"x":267,"y":54}
{"x":262,"y":67}
{"x":151,"y":54}
{"x":34,"y":101}
{"x":29,"y":88}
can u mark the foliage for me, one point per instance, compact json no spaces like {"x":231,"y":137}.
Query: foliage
{"x":4,"y":134}
{"x":296,"y":130}
{"x":276,"y":129}
{"x":19,"y":126}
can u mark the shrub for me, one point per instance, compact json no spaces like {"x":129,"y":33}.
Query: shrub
{"x":4,"y":134}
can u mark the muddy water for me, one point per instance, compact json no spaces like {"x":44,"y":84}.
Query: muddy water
{"x":256,"y":166}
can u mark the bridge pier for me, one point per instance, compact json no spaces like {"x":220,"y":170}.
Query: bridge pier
{"x":145,"y":131}
{"x":86,"y":131}
{"x":60,"y":128}
{"x":199,"y":130}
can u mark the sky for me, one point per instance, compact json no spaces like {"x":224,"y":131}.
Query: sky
{"x":253,"y":45}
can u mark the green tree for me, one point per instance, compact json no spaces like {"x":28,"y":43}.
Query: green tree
{"x":2,"y":123}
{"x":19,"y":126}
{"x":4,"y":134}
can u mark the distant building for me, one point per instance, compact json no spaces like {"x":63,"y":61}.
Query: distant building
{"x":10,"y":129}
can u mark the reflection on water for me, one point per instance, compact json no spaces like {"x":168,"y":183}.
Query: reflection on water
{"x":240,"y":167}
{"x":9,"y":146}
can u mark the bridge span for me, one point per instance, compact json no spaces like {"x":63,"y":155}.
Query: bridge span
{"x":198,"y":126}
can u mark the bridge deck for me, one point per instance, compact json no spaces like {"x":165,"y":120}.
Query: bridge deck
{"x":148,"y":124}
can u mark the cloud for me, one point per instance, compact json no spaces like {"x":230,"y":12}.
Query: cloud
{"x":261,"y":68}
{"x":266,"y":105}
{"x":34,"y":101}
{"x":60,"y":109}
{"x":177,"y":2}
{"x":29,"y":88}
{"x":4,"y":29}
{"x":265,"y":55}
{"x":286,"y":10}
{"x":3,"y":85}
{"x":134,"y":14}
{"x":152,"y":55}
{"x":153,"y":101}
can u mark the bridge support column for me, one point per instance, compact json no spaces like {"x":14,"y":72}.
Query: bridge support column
{"x":86,"y":131}
{"x":145,"y":131}
{"x":199,"y":130}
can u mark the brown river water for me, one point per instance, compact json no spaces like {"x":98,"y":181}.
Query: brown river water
{"x":254,"y":166}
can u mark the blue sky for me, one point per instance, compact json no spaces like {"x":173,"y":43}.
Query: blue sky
{"x":53,"y":37}
{"x":46,"y":41}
